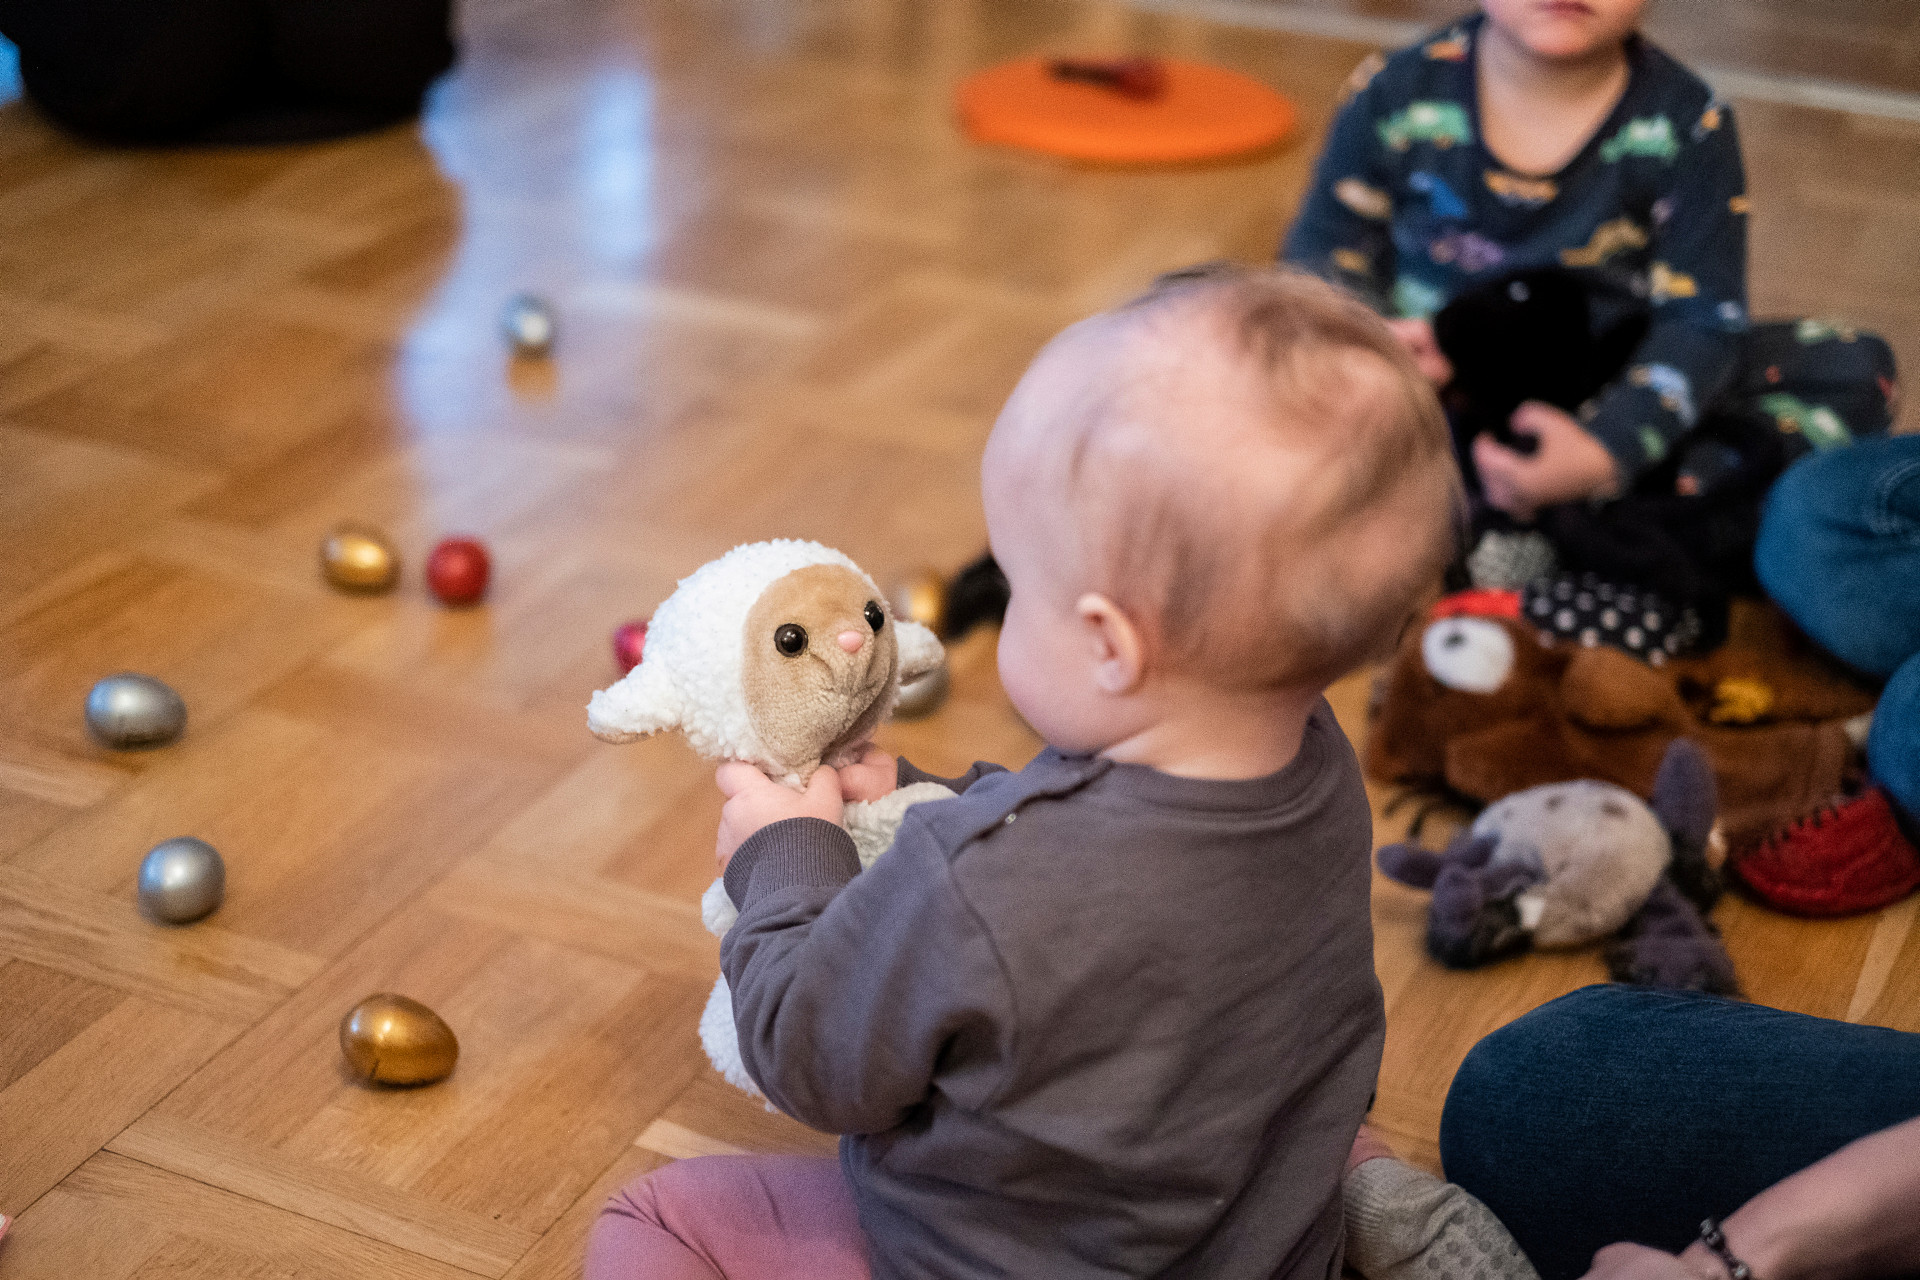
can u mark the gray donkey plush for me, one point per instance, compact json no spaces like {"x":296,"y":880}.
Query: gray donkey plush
{"x":1572,"y":862}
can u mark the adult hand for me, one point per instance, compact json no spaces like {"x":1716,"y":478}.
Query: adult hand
{"x":754,"y":800}
{"x":1417,"y":337}
{"x":1637,"y":1262}
{"x":874,"y":775}
{"x":1568,"y":466}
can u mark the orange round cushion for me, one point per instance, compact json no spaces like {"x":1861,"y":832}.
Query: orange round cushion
{"x":1206,"y":112}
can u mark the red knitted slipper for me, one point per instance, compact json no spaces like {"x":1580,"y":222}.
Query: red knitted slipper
{"x":1846,"y":858}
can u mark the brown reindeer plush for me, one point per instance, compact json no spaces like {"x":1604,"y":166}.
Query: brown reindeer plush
{"x":1480,"y":706}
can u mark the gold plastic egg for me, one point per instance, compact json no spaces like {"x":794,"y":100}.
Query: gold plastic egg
{"x":358,"y":558}
{"x":921,"y":598}
{"x":390,"y":1039}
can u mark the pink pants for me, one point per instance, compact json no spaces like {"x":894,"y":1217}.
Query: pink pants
{"x":731,"y":1218}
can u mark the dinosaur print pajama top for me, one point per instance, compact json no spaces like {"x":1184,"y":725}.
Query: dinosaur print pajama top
{"x":1408,"y":209}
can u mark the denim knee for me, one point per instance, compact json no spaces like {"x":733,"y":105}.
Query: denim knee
{"x":1840,"y":541}
{"x":1495,"y":1087}
{"x":1893,"y":745}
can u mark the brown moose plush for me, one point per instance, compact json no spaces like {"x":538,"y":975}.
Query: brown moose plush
{"x":1480,"y":706}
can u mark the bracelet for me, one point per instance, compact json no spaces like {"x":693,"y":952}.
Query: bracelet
{"x":1716,"y":1240}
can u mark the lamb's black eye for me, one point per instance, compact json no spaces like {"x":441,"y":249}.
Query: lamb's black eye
{"x":875,"y":618}
{"x":791,"y":639}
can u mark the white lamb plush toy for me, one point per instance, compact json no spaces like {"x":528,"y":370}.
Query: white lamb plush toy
{"x":785,"y":655}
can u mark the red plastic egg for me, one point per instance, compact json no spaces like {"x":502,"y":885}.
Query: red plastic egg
{"x":457,"y":571}
{"x":629,"y":644}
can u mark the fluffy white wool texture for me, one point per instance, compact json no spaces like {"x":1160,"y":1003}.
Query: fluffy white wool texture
{"x":872,"y":825}
{"x":690,"y":680}
{"x":690,"y":677}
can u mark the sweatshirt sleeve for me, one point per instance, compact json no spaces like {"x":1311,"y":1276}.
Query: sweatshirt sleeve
{"x":909,"y":774}
{"x":1697,"y":286}
{"x":1403,"y":1224}
{"x":1343,"y":229}
{"x":848,"y":990}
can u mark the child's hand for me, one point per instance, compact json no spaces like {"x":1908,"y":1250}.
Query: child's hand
{"x":1569,"y":465}
{"x":876,"y":774}
{"x":754,"y":800}
{"x":1417,"y":337}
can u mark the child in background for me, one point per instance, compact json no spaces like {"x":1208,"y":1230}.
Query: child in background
{"x":1547,"y":134}
{"x":1553,"y":212}
{"x":1114,"y":1013}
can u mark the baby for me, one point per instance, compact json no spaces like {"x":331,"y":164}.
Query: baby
{"x":1114,"y":1013}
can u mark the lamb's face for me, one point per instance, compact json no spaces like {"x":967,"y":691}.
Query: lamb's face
{"x":819,"y":658}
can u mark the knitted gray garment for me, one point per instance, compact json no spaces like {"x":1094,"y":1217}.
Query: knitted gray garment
{"x":1403,"y":1224}
{"x":1509,"y":561}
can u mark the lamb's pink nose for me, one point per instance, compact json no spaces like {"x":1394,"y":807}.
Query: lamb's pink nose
{"x":852,"y":640}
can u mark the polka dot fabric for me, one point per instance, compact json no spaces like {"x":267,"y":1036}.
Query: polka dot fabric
{"x":1588,"y":611}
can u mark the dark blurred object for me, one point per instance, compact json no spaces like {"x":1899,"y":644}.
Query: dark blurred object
{"x":1142,"y":78}
{"x":1694,"y":549}
{"x":228,"y":71}
{"x":1525,"y":336}
{"x":977,"y":594}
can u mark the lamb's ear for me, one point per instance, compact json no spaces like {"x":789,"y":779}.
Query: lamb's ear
{"x":920,"y":650}
{"x":644,"y":702}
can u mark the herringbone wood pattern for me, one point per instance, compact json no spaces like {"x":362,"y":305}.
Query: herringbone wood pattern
{"x":791,"y":300}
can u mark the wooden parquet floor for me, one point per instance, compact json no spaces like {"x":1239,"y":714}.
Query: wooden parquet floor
{"x":791,"y":300}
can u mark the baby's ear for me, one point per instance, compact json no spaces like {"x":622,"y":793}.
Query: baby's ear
{"x":644,"y":702}
{"x":920,"y":650}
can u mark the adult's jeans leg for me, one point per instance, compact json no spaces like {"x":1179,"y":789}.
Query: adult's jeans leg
{"x":1624,"y":1113}
{"x":1893,"y":745}
{"x":1839,"y":550}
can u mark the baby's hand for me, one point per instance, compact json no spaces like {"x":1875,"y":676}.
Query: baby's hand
{"x":1569,"y":465}
{"x":875,"y":775}
{"x":1417,"y":337}
{"x":754,"y":801}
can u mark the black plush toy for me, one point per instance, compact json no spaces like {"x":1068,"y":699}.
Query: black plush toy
{"x":1526,"y":336}
{"x":1572,"y":862}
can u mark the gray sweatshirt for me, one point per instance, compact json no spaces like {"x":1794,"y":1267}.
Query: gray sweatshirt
{"x":1087,"y":1019}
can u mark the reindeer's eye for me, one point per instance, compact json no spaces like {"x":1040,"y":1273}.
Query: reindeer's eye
{"x":875,"y":618}
{"x":791,"y":639}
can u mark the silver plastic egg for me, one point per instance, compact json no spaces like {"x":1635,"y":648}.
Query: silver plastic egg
{"x":182,"y":880}
{"x":923,"y":696}
{"x":132,"y":710}
{"x":529,"y":325}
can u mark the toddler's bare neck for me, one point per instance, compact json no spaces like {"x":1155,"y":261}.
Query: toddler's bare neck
{"x":1196,"y":732}
{"x":1536,"y":113}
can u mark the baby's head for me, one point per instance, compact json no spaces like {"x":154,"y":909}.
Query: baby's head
{"x":1237,"y":482}
{"x":1565,"y":30}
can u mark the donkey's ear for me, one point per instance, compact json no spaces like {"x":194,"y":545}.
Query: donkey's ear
{"x":1685,"y":798}
{"x":1409,"y":864}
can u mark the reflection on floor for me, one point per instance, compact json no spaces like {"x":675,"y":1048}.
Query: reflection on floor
{"x":791,"y":300}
